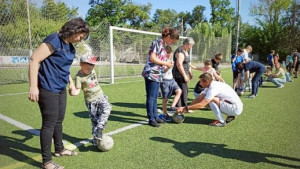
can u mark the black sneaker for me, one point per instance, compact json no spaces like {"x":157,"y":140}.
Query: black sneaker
{"x":230,"y":118}
{"x":153,"y":124}
{"x":158,"y":120}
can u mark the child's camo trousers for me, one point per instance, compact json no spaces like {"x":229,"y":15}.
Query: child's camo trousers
{"x":99,"y":111}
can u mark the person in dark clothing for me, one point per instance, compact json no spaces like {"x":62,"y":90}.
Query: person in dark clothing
{"x":251,"y":67}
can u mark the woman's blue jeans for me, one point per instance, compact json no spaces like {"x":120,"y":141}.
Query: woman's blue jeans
{"x":152,"y":88}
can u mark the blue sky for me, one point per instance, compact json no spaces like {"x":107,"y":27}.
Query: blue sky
{"x":177,"y":5}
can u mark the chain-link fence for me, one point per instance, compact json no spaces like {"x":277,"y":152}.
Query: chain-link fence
{"x":25,"y":23}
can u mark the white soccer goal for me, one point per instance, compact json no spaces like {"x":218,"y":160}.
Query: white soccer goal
{"x":129,"y":50}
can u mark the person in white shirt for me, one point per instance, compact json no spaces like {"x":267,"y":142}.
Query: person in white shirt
{"x":220,"y":97}
{"x":245,"y":54}
{"x":246,"y":58}
{"x":168,"y":87}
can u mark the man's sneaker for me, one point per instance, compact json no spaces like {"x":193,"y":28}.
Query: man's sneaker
{"x":281,"y":86}
{"x":252,"y":96}
{"x":153,"y":124}
{"x":217,"y":123}
{"x":172,"y":110}
{"x":158,"y":120}
{"x":166,"y":118}
{"x":230,"y":118}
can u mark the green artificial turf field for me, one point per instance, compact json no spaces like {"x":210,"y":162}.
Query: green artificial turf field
{"x":265,"y":135}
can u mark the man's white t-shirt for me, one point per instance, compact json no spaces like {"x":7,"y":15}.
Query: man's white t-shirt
{"x":222,"y":91}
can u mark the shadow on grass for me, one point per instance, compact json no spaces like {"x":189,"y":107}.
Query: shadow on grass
{"x":129,"y":105}
{"x":197,"y":120}
{"x":119,"y":116}
{"x":13,"y":147}
{"x":193,"y":149}
{"x":268,"y":87}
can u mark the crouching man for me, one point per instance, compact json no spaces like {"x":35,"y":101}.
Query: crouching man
{"x":220,"y":97}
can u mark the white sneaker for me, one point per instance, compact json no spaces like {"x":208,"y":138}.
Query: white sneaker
{"x":191,"y":111}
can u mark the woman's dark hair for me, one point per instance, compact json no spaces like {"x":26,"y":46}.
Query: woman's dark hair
{"x":73,"y":26}
{"x":172,"y":32}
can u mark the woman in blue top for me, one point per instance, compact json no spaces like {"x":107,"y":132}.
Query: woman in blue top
{"x":153,"y":71}
{"x":48,"y":77}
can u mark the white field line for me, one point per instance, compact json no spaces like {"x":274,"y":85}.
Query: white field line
{"x":13,"y":94}
{"x":67,"y":144}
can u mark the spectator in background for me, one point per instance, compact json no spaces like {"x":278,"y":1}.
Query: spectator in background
{"x":206,"y":69}
{"x":49,"y":74}
{"x":237,"y":59}
{"x":270,"y":59}
{"x":246,"y":58}
{"x":154,"y":69}
{"x":278,"y":78}
{"x":296,"y":56}
{"x":276,"y":58}
{"x":216,"y":61}
{"x":245,"y":54}
{"x":289,"y":64}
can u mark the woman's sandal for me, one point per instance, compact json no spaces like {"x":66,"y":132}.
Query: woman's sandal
{"x":63,"y":153}
{"x":51,"y":165}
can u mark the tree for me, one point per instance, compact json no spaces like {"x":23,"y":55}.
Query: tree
{"x":272,"y":27}
{"x":197,"y":16}
{"x":118,"y":13}
{"x":136,"y":15}
{"x":221,"y":13}
{"x":57,"y":11}
{"x":166,"y":17}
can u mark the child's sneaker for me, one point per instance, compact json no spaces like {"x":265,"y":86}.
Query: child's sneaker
{"x":217,"y":123}
{"x":99,"y":135}
{"x":166,"y":118}
{"x":160,"y":116}
{"x":172,"y":110}
{"x":94,"y":141}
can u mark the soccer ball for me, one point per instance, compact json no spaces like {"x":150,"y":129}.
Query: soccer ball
{"x":106,"y":143}
{"x":239,"y":92}
{"x":178,"y":118}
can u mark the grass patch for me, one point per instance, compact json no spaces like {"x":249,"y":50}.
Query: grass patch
{"x":265,"y":135}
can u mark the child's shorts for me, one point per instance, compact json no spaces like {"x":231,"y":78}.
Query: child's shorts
{"x":168,"y":88}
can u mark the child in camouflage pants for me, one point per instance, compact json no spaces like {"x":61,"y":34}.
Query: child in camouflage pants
{"x":96,"y":102}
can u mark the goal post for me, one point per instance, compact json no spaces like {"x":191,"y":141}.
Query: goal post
{"x":153,"y":35}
